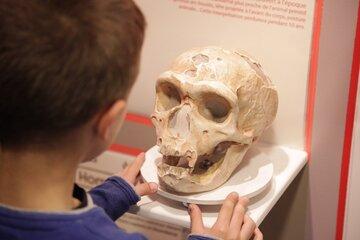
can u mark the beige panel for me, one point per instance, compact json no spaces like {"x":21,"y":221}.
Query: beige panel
{"x":335,"y":60}
{"x":319,"y":187}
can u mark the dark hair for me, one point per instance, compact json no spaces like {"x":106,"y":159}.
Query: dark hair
{"x":63,"y":61}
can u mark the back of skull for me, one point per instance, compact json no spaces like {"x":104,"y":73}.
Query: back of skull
{"x":210,"y":106}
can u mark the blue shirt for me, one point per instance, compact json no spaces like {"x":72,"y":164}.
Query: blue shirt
{"x":93,"y":221}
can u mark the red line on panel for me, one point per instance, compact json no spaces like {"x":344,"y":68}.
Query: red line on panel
{"x":344,"y":174}
{"x":125,"y":149}
{"x":138,"y":119}
{"x":312,"y":76}
{"x":131,"y":117}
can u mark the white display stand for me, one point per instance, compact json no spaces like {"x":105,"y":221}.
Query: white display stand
{"x":287,"y":164}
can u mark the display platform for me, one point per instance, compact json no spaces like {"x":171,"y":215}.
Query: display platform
{"x":287,"y":164}
{"x":250,"y":179}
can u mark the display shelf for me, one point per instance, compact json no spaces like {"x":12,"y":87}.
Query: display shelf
{"x":287,"y":164}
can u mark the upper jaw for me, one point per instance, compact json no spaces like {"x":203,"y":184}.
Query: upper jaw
{"x":178,"y":161}
{"x":184,"y":165}
{"x":174,"y":157}
{"x":180,"y":180}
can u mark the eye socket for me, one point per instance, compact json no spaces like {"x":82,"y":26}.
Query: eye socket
{"x":168,"y":96}
{"x":214,"y":107}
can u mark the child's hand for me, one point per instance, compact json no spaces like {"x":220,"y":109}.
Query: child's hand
{"x":232,"y":222}
{"x":131,"y":173}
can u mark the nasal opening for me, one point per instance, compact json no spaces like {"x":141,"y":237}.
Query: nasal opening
{"x":179,"y":125}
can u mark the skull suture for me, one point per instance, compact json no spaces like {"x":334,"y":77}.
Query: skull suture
{"x":210,"y":107}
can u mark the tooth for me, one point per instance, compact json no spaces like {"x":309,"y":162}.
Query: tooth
{"x":164,"y":150}
{"x":188,"y":154}
{"x":192,"y":160}
{"x":188,"y":157}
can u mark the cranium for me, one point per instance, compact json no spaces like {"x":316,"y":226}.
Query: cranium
{"x":211,"y":105}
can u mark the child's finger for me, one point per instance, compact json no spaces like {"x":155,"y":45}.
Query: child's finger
{"x":135,"y":166}
{"x":226,"y":212}
{"x":146,"y":188}
{"x":237,"y":219}
{"x":247,"y":229}
{"x":197,"y":225}
{"x":258,"y":234}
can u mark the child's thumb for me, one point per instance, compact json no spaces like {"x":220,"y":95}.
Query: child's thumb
{"x":146,"y":188}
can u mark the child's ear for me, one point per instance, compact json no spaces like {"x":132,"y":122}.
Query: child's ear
{"x":111,"y":120}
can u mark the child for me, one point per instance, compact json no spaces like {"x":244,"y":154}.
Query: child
{"x":66,"y":70}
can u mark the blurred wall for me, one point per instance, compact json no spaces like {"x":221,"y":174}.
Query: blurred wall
{"x":352,"y":217}
{"x":308,"y":209}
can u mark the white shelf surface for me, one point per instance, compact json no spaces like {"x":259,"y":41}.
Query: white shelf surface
{"x":287,"y":164}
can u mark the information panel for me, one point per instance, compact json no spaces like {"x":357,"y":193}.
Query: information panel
{"x":278,"y":33}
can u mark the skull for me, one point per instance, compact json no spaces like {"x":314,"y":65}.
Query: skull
{"x":211,"y":105}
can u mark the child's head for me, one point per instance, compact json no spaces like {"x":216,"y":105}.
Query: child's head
{"x":65,"y":64}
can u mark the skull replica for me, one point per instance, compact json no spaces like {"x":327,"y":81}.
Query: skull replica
{"x":210,"y":107}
